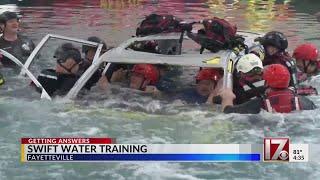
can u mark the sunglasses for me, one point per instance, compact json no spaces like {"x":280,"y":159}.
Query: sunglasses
{"x":254,"y":71}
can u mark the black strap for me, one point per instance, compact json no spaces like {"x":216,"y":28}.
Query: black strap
{"x":255,"y":89}
{"x":181,"y":40}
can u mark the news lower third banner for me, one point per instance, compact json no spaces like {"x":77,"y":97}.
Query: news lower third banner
{"x":106,"y":149}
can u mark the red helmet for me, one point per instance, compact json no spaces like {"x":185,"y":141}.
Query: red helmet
{"x":306,"y":52}
{"x":208,"y":74}
{"x":276,"y":76}
{"x":149,"y":72}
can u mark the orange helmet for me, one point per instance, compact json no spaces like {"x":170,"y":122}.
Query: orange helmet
{"x":149,"y":72}
{"x":208,"y":74}
{"x":306,"y":52}
{"x":276,"y":76}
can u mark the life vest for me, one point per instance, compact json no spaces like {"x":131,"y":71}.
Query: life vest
{"x":282,"y":101}
{"x":155,"y":24}
{"x":291,"y":65}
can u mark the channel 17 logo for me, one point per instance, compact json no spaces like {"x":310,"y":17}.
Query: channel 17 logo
{"x":276,"y":149}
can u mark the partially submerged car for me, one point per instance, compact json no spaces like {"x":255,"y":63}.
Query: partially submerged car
{"x":187,"y":55}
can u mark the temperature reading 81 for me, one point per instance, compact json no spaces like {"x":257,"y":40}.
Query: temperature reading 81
{"x":299,"y":151}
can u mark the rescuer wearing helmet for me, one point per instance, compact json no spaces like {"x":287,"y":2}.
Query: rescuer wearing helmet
{"x":12,"y":42}
{"x":206,"y":82}
{"x":144,"y":77}
{"x":60,"y":80}
{"x":275,"y":44}
{"x":308,"y":64}
{"x":306,"y":56}
{"x":278,"y":97}
{"x":248,"y":82}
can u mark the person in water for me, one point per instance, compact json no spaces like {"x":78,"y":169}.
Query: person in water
{"x":248,"y":82}
{"x":11,"y":41}
{"x":206,"y":82}
{"x":169,"y":78}
{"x":306,"y":56}
{"x":60,"y":51}
{"x":308,"y":64}
{"x":60,"y":80}
{"x":144,"y":77}
{"x":278,"y":97}
{"x":89,"y":52}
{"x":275,"y":44}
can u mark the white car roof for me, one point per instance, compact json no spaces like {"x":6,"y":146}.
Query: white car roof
{"x":224,"y":59}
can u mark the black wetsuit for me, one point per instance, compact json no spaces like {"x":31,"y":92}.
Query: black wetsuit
{"x":56,"y":84}
{"x":20,"y":48}
{"x":95,"y":76}
{"x":191,"y":96}
{"x":254,"y":106}
{"x":245,"y":93}
{"x":169,"y":83}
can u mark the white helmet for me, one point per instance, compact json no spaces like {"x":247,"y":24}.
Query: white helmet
{"x":247,"y":62}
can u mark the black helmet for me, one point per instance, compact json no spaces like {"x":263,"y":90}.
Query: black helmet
{"x":71,"y":53}
{"x":61,"y":49}
{"x":274,"y":38}
{"x":7,"y":15}
{"x":86,"y":48}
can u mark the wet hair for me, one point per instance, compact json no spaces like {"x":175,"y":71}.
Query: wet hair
{"x":86,"y":48}
{"x":7,"y":15}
